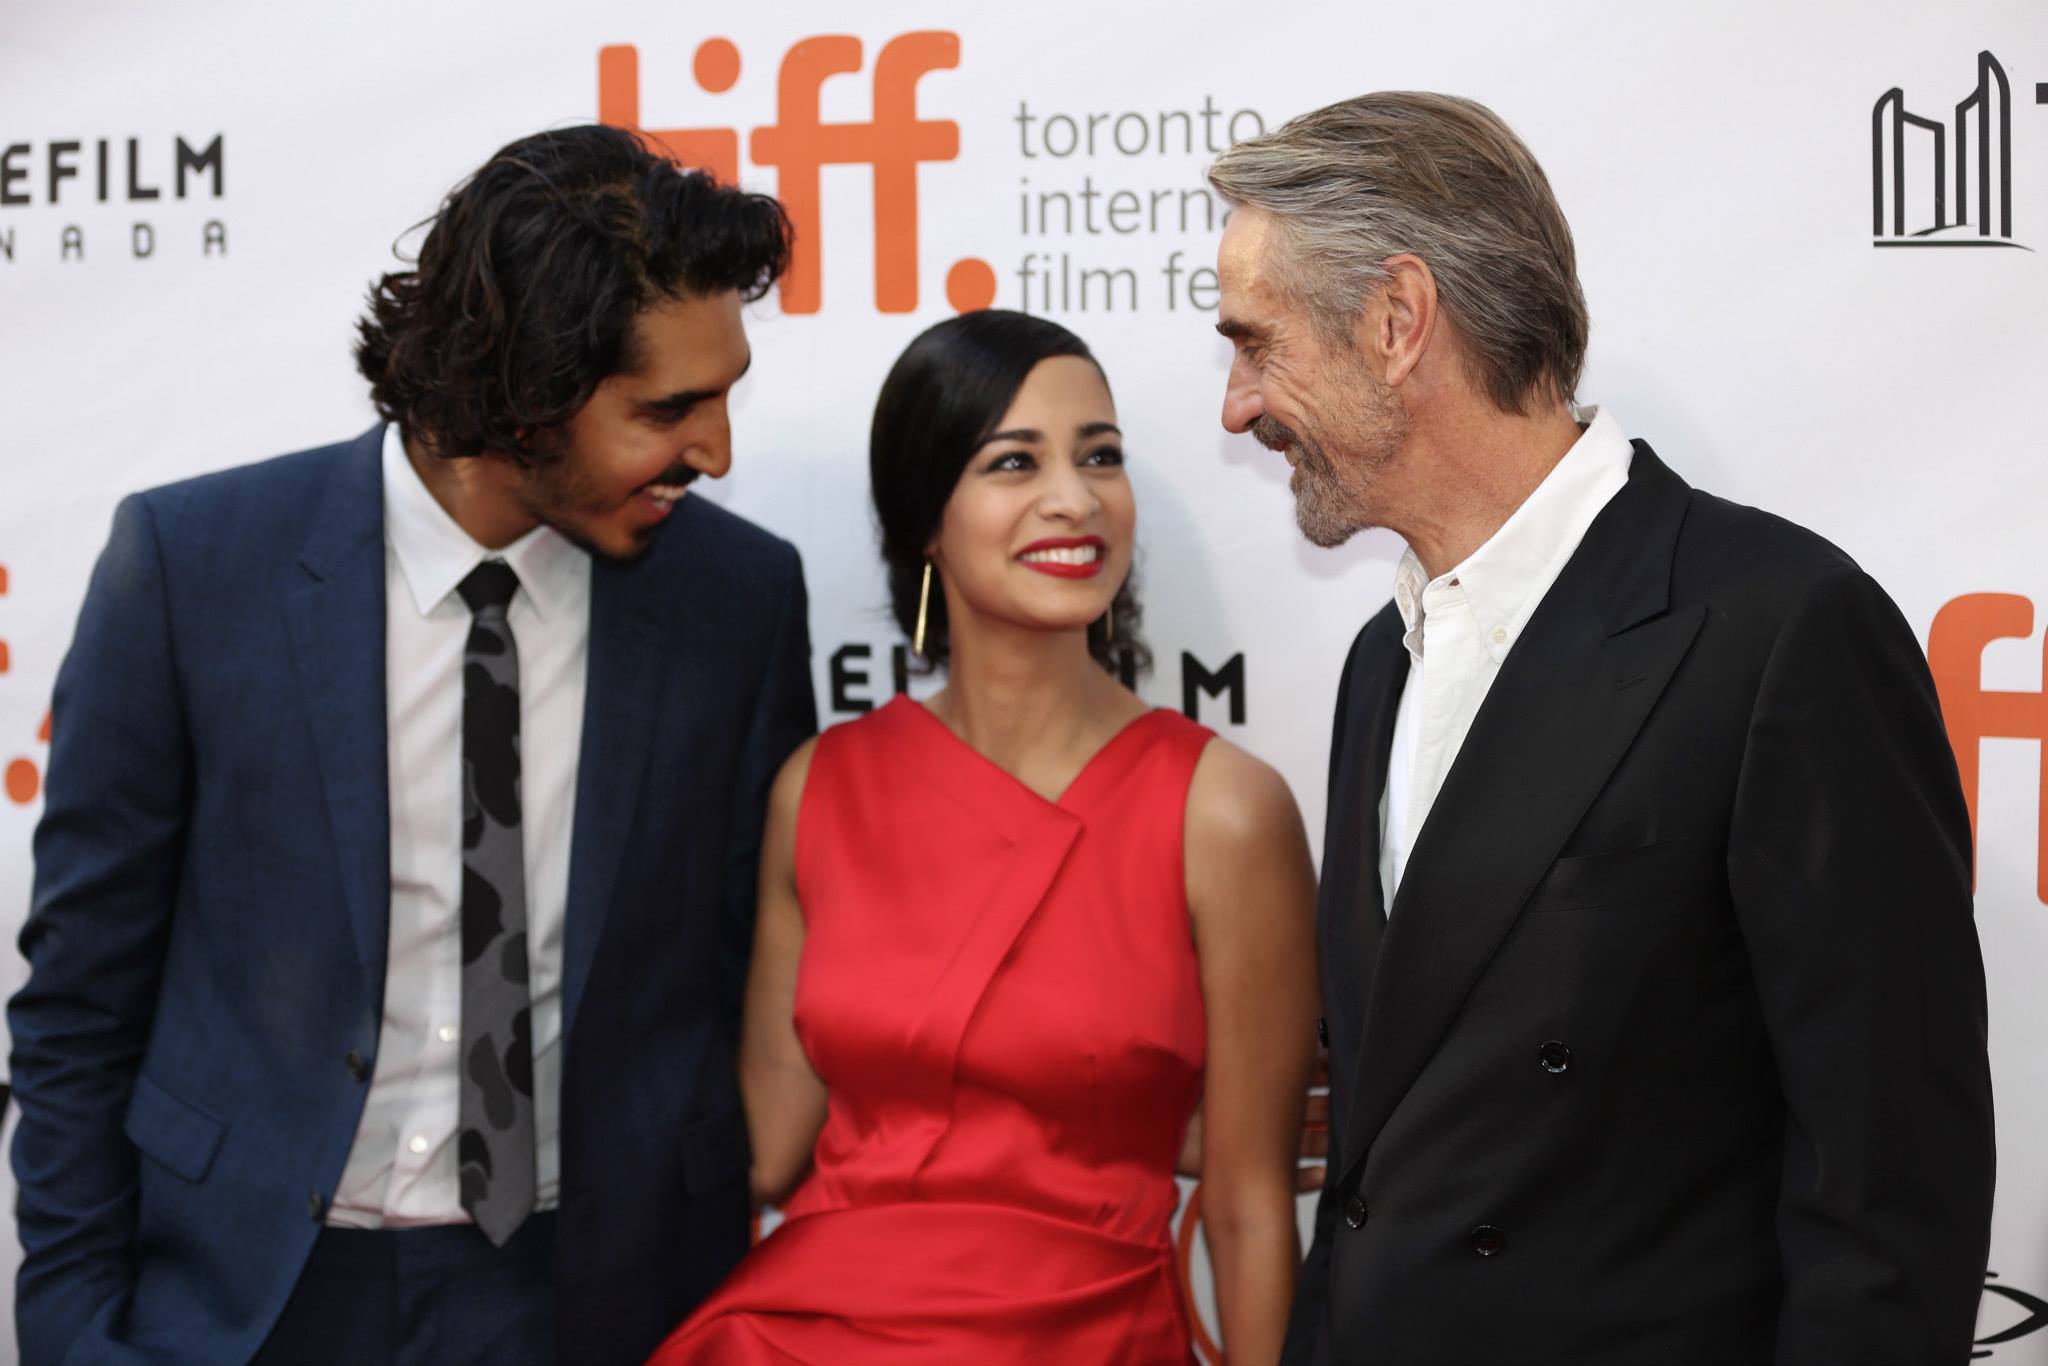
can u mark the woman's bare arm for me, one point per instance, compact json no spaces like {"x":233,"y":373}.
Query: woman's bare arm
{"x":785,"y":1100}
{"x":1251,"y":892}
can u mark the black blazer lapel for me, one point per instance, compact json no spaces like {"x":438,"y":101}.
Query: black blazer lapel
{"x":1568,"y":702}
{"x":336,"y":622}
{"x":620,"y":710}
{"x":1349,"y":913}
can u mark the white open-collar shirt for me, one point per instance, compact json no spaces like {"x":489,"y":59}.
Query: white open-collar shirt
{"x":402,"y":1168}
{"x":1461,"y":625}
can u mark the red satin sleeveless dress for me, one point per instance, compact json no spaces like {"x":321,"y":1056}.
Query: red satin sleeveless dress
{"x":1001,"y":995}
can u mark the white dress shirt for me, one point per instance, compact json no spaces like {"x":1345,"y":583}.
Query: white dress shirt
{"x":402,"y":1169}
{"x":1462,"y":624}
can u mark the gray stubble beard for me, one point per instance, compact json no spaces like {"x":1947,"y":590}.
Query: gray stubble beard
{"x":1334,"y":497}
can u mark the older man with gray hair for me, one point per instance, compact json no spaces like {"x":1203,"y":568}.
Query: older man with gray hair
{"x":1652,"y":989}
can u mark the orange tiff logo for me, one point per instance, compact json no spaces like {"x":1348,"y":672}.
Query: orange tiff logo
{"x":892,"y":143}
{"x":1955,"y":654}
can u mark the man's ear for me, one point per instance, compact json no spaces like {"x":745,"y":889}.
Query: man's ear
{"x":1399,"y":318}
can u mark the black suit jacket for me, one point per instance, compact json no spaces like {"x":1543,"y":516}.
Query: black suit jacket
{"x":1672,"y":1049}
{"x":208,"y":933}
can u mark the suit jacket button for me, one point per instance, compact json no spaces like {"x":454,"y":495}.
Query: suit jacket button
{"x":357,"y":1067}
{"x":1554,"y":1056}
{"x":1323,"y":1030}
{"x":316,"y":1207}
{"x":1488,"y":1240}
{"x":1354,"y":1212}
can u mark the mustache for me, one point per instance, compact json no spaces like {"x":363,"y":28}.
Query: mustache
{"x":1272,"y":435}
{"x":674,"y":475}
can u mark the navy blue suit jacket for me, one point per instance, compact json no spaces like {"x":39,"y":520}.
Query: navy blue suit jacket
{"x":207,"y":933}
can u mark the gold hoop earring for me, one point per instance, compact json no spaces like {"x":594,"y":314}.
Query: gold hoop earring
{"x":924,"y":602}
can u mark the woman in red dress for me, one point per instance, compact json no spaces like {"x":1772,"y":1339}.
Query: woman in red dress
{"x":1011,"y":938}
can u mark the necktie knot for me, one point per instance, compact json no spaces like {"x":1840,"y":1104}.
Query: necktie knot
{"x":489,"y":587}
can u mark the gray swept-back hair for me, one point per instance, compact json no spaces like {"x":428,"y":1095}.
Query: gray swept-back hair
{"x":1441,"y":177}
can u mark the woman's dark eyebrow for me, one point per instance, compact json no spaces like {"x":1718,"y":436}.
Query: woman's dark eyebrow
{"x":1031,"y":436}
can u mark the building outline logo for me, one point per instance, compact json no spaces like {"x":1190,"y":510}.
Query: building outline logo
{"x":892,"y":143}
{"x":1979,"y":211}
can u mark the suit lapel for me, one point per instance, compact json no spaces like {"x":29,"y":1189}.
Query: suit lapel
{"x":1568,"y":702}
{"x":621,"y":707}
{"x":1350,"y":916}
{"x":336,"y":623}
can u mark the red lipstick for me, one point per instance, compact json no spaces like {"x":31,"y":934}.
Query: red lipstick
{"x":1066,"y":557}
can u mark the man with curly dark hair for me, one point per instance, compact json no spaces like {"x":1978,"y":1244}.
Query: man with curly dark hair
{"x":395,"y":884}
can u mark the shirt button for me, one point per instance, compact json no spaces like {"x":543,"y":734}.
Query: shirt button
{"x":447,"y":1033}
{"x":1554,"y":1056}
{"x":1488,"y":1240}
{"x":1354,"y":1212}
{"x":357,"y":1067}
{"x":417,"y":1144}
{"x":1500,"y":635}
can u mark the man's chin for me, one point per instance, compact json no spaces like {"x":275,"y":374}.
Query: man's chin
{"x":620,"y":544}
{"x":629,"y":545}
{"x":1321,"y":524}
{"x":1322,"y":533}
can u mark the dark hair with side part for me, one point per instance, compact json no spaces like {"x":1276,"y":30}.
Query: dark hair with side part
{"x":942,"y":400}
{"x":526,"y":289}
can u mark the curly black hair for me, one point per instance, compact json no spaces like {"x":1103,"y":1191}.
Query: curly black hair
{"x":524,"y":294}
{"x":943,"y":397}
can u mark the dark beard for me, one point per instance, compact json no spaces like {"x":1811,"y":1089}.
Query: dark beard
{"x":557,"y":493}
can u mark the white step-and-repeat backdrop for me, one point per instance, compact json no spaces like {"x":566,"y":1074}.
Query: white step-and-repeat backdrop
{"x":1814,"y":239}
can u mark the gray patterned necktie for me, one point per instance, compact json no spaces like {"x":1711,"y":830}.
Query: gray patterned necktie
{"x":495,"y":1144}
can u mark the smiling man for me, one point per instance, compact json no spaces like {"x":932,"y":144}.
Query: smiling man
{"x":396,"y":881}
{"x":1652,"y":992}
